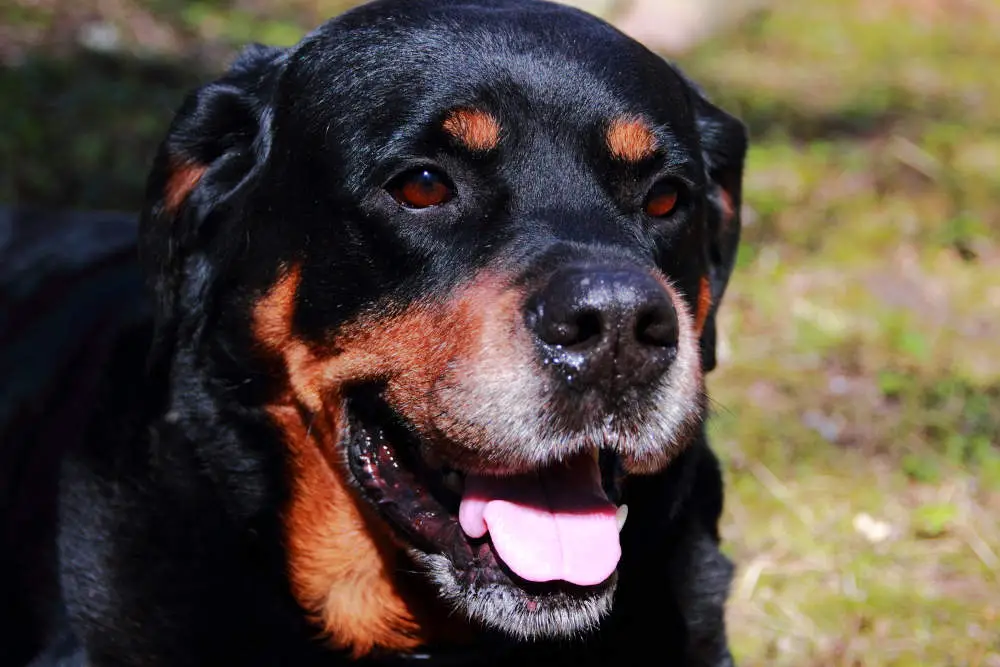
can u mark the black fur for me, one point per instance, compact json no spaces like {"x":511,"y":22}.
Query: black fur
{"x":160,"y":540}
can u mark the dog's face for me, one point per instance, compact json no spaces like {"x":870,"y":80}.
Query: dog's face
{"x":466,"y":259}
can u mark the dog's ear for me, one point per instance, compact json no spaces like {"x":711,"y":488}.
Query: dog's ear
{"x":213,"y":151}
{"x":724,"y":147}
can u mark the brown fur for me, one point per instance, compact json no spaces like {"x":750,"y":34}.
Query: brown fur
{"x":631,"y":139}
{"x":392,"y":349}
{"x":184,"y":176}
{"x":397,"y":350}
{"x":477,"y":130}
{"x":344,"y":565}
{"x":341,"y":567}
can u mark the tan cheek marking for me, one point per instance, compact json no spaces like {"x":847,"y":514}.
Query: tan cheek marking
{"x":476,"y":346}
{"x":704,"y":305}
{"x":478,"y":130}
{"x":181,"y":181}
{"x":342,"y":560}
{"x":341,"y":566}
{"x":631,"y":139}
{"x":411,"y":349}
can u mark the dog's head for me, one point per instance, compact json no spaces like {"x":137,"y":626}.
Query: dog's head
{"x":466,"y":257}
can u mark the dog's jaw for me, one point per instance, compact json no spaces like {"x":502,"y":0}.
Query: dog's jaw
{"x":514,"y":611}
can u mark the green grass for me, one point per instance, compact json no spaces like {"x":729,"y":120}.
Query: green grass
{"x":858,"y":396}
{"x":859,"y":400}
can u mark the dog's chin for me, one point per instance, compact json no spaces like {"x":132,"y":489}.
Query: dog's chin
{"x":489,"y":595}
{"x":420,"y":502}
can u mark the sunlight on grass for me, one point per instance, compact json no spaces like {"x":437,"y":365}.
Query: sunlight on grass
{"x":857,"y":402}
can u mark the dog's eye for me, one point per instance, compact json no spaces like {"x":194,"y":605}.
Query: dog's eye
{"x":662,"y":199}
{"x":421,"y":188}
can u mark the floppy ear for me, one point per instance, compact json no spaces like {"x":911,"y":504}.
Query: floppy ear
{"x":724,"y":146}
{"x":216,"y":145}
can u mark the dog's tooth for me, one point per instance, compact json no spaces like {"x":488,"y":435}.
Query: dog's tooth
{"x":620,"y":516}
{"x":596,"y":453}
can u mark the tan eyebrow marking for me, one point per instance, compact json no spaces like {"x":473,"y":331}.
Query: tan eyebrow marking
{"x":631,"y":139}
{"x":478,"y":130}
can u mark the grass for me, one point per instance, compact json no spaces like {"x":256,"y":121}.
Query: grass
{"x":858,"y":404}
{"x":858,"y":396}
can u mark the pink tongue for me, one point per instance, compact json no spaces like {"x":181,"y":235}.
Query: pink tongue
{"x":557,"y":524}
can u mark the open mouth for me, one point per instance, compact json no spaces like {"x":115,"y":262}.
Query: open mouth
{"x":549,"y":536}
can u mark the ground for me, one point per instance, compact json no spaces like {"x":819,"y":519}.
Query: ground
{"x":857,"y":403}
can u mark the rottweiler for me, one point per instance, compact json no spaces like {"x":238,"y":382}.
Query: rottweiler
{"x":403,"y":362}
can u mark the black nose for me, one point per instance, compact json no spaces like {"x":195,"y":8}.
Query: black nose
{"x":609,"y":326}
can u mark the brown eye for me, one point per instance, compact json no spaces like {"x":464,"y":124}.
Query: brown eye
{"x":662,"y":200}
{"x":421,"y":188}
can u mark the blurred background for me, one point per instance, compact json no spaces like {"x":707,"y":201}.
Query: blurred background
{"x":857,"y":403}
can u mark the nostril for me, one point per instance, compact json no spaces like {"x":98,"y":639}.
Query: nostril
{"x":575,"y":329}
{"x":588,"y":329}
{"x":657,"y":326}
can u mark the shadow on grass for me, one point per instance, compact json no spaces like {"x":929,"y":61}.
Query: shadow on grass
{"x":81,"y":132}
